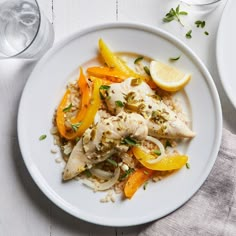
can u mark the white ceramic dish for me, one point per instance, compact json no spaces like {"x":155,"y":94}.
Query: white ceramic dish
{"x":226,"y":50}
{"x":44,"y":90}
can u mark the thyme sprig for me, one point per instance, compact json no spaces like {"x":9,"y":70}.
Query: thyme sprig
{"x":175,"y":14}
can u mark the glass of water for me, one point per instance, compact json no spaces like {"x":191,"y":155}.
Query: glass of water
{"x":25,"y":32}
{"x":202,"y":5}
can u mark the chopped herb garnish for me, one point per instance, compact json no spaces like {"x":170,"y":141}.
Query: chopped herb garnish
{"x":174,"y":14}
{"x":129,"y":141}
{"x":101,"y":95}
{"x":206,"y":33}
{"x":112,"y":162}
{"x":146,"y":69}
{"x":104,"y":87}
{"x":103,"y":91}
{"x":174,"y":58}
{"x":88,"y":173}
{"x":189,"y":34}
{"x":42,"y":137}
{"x":145,"y":185}
{"x":126,"y":174}
{"x":187,"y":165}
{"x":168,"y":144}
{"x":68,"y":108}
{"x":145,"y":172}
{"x":157,"y":152}
{"x":200,"y":23}
{"x":138,"y":59}
{"x":136,"y":81}
{"x":119,"y":103}
{"x":76,"y":126}
{"x":77,"y":139}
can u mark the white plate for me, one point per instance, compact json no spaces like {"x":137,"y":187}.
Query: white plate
{"x":226,"y":51}
{"x":44,"y":90}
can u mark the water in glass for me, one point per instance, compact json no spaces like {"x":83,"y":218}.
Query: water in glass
{"x":21,"y":24}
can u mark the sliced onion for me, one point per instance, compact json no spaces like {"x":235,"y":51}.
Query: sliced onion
{"x":161,"y":147}
{"x":101,"y":174}
{"x":103,"y":186}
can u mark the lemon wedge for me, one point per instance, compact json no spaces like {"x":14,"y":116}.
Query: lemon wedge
{"x":167,"y":77}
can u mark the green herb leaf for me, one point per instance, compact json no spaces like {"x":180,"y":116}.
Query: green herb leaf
{"x":174,"y":58}
{"x":112,"y":162}
{"x":68,"y":108}
{"x":177,"y":10}
{"x":119,"y":103}
{"x":189,"y":34}
{"x":169,"y":19}
{"x":183,"y":13}
{"x":77,"y":139}
{"x":174,"y":15}
{"x":104,"y":87}
{"x":138,"y":59}
{"x":126,"y":174}
{"x":200,"y":23}
{"x":157,"y":152}
{"x":42,"y":137}
{"x":146,"y":69}
{"x":206,"y":33}
{"x":187,"y":165}
{"x":168,"y":144}
{"x":145,"y":185}
{"x":88,"y":173}
{"x":129,"y":141}
{"x":76,"y":126}
{"x":103,"y":91}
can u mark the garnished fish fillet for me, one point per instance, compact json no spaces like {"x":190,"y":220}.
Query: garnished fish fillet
{"x":103,"y":140}
{"x":162,"y":121}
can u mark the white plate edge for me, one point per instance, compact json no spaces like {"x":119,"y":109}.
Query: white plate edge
{"x":168,"y":37}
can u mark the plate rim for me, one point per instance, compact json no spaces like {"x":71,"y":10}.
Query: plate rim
{"x":223,"y":82}
{"x":167,"y":36}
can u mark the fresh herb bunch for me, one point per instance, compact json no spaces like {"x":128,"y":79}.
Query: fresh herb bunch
{"x":175,"y":14}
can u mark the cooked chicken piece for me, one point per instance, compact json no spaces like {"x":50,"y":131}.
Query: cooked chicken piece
{"x":162,"y":121}
{"x":103,"y":140}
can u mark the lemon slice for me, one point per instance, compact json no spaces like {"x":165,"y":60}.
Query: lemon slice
{"x":167,"y":77}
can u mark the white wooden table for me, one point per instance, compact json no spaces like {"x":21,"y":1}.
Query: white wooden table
{"x":24,"y":210}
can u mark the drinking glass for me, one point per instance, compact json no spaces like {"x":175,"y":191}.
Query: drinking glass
{"x":25,"y":32}
{"x":202,"y":5}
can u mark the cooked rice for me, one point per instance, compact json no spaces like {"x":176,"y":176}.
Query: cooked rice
{"x":109,"y":197}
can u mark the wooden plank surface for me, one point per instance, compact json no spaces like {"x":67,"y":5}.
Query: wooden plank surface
{"x":24,"y":210}
{"x":73,"y":15}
